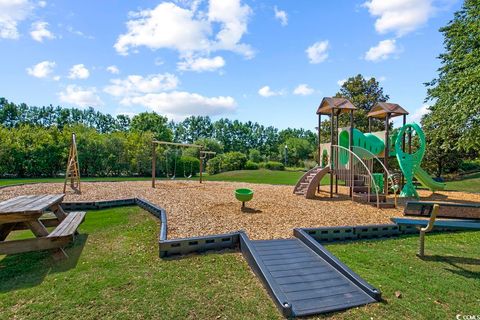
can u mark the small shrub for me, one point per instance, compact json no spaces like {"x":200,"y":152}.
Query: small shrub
{"x":187,"y":166}
{"x":472,"y":165}
{"x":274,"y":165}
{"x":250,"y":165}
{"x":233,"y":161}
{"x":309,"y":164}
{"x":214,"y":165}
{"x":254,"y":155}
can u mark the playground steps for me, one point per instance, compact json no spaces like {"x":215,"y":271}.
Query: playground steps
{"x":303,"y":184}
{"x":363,"y":198}
{"x":303,"y":278}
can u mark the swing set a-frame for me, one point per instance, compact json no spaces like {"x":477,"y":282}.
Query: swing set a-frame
{"x":73,"y":171}
{"x":202,"y":156}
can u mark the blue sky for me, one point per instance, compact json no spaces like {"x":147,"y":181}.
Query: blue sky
{"x":265,"y":61}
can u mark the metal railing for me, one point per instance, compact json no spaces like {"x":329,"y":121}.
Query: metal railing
{"x":370,"y":158}
{"x":350,"y":168}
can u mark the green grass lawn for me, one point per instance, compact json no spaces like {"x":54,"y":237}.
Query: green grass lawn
{"x":114,"y":272}
{"x":470,"y":183}
{"x":252,"y":176}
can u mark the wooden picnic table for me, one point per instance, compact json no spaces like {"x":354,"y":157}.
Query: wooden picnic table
{"x":25,"y":212}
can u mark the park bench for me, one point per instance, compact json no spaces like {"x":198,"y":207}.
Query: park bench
{"x":431,"y":209}
{"x":26,"y":212}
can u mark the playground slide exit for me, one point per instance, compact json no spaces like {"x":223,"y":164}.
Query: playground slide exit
{"x":424,"y":178}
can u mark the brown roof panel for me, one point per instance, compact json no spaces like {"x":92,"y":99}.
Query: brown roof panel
{"x":381,"y":109}
{"x":341,"y":104}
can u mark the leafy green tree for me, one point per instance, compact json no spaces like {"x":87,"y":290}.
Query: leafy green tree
{"x":363,"y":93}
{"x":454,"y":118}
{"x":152,"y":122}
{"x":298,"y":149}
{"x":255,"y":156}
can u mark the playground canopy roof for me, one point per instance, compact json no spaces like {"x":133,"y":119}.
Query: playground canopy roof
{"x":381,"y":109}
{"x":342,"y":105}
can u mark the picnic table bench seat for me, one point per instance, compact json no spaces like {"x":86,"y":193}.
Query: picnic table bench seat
{"x":69,"y":225}
{"x":61,"y":236}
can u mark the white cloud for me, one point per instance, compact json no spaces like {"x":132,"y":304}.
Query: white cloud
{"x":341,"y":82}
{"x":39,"y":31}
{"x":382,"y":51}
{"x":42,"y":4}
{"x":135,"y":85}
{"x":178,"y":104}
{"x":266,"y":92}
{"x":154,"y":92}
{"x":82,"y":97}
{"x":188,"y":30}
{"x":79,"y":33}
{"x":113,"y":69}
{"x":42,"y":69}
{"x":281,"y":15}
{"x":79,"y":71}
{"x":317,"y":52}
{"x":400,"y":16}
{"x":419,"y":113}
{"x":12,"y":12}
{"x":201,"y":64}
{"x":303,"y":90}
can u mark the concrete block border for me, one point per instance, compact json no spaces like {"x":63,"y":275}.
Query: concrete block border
{"x":167,"y":247}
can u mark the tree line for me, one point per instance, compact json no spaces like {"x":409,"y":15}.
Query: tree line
{"x":34,"y":140}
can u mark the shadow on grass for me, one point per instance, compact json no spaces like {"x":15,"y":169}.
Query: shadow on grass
{"x":456,"y":262}
{"x":26,"y":270}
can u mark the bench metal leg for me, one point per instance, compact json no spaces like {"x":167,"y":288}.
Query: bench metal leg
{"x":428,"y":228}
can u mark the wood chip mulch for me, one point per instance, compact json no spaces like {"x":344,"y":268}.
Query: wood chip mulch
{"x":195,"y":209}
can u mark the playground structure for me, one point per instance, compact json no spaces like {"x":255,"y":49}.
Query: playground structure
{"x":361,"y":160}
{"x":73,"y":170}
{"x":202,"y":156}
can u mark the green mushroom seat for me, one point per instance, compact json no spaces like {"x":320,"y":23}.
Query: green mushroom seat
{"x":243,"y":195}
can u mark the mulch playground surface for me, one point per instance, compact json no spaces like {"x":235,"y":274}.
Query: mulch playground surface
{"x":195,"y":209}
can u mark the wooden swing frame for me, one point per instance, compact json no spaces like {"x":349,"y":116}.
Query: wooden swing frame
{"x":184,"y":145}
{"x":73,"y":171}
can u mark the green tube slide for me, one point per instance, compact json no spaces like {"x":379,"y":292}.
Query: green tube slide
{"x":424,"y":178}
{"x":366,"y":141}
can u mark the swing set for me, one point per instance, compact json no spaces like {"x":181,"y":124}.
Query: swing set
{"x":203,"y":154}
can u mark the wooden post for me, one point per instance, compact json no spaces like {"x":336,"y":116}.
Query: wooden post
{"x":319,"y":136}
{"x":387,"y":151}
{"x":331,"y":153}
{"x":369,"y":124}
{"x":154,"y":162}
{"x":352,"y":184}
{"x":403,"y":148}
{"x":318,"y":146}
{"x":201,"y":166}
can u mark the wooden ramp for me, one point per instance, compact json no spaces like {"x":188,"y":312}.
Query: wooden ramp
{"x":303,"y":278}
